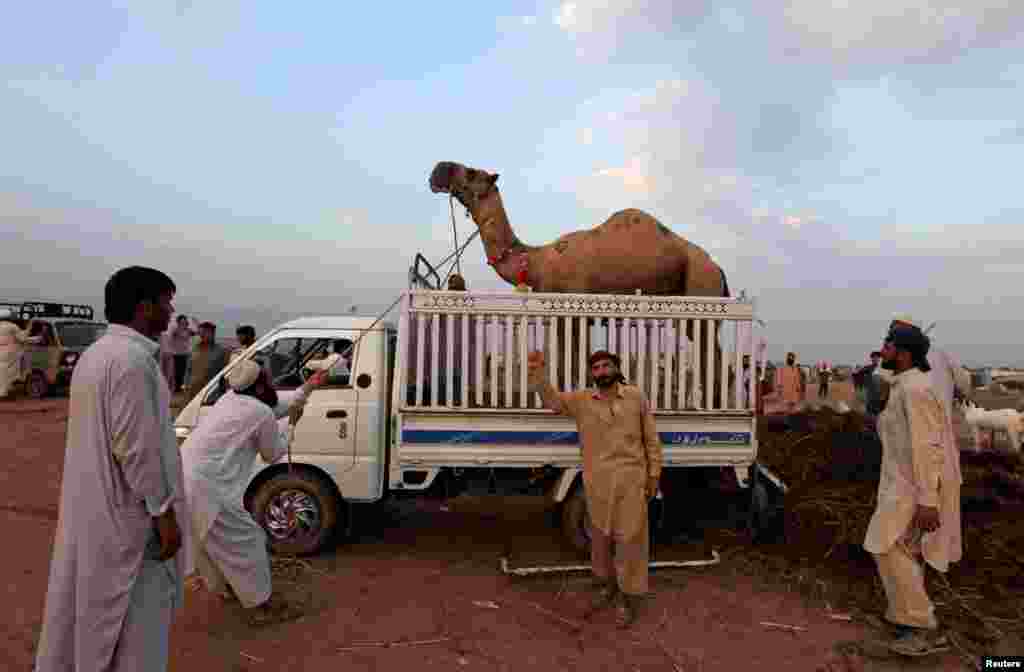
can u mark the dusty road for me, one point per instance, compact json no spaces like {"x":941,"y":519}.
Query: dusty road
{"x":428,"y":575}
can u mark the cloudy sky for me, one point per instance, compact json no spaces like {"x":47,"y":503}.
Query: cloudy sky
{"x":841,"y":163}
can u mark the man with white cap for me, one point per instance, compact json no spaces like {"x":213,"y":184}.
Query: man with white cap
{"x":12,"y":346}
{"x":230,"y":547}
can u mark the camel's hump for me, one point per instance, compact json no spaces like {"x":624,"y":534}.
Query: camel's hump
{"x":633,"y":217}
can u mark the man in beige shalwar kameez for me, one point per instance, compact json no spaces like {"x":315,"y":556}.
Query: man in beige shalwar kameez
{"x":12,"y":349}
{"x":918,"y":495}
{"x":622,"y":457}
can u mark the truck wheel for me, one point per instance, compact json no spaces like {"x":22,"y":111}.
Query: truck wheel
{"x":766,"y":512}
{"x":37,"y":385}
{"x":576,"y":521}
{"x":299,"y":512}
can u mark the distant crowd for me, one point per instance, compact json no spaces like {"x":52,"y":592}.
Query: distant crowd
{"x":191,"y":358}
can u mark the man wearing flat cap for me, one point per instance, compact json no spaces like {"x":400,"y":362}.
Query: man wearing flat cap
{"x":229,"y":547}
{"x":622,"y":459}
{"x":917,"y":494}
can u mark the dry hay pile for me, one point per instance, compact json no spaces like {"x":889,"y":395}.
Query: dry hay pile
{"x":831,"y":465}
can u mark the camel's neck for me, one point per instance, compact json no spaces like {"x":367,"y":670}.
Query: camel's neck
{"x":503,"y":248}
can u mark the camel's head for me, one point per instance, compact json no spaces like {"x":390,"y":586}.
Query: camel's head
{"x":466,"y":184}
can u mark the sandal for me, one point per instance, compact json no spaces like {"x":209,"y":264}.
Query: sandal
{"x":919,"y":643}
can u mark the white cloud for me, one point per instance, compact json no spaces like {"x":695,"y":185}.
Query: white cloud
{"x":601,"y":25}
{"x":876,"y":32}
{"x":587,"y":136}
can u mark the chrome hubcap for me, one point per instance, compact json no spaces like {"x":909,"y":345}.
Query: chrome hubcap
{"x":292,"y":514}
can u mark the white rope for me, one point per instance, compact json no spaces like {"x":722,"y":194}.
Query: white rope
{"x":524,"y":571}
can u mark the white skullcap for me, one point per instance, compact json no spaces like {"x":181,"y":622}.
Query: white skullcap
{"x":243,"y":375}
{"x":905,"y":317}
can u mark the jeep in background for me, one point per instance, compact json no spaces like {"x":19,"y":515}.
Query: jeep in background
{"x":67,"y":330}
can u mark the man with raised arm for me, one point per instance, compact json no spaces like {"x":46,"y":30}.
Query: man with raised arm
{"x":622,"y":459}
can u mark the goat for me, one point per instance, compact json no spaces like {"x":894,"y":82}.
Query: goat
{"x":1002,"y":420}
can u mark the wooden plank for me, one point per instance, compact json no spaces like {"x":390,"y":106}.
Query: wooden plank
{"x":480,"y":359}
{"x":551,"y":356}
{"x":641,"y":356}
{"x":435,"y":358}
{"x":492,"y":350}
{"x":449,"y":364}
{"x":581,"y":345}
{"x":741,"y":349}
{"x":509,"y":360}
{"x":567,"y":354}
{"x":421,"y":337}
{"x":723,"y":383}
{"x":698,"y":393}
{"x":464,"y":375}
{"x":682,"y":361}
{"x":524,"y":343}
{"x":709,"y":364}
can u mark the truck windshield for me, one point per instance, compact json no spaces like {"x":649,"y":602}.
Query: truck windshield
{"x":80,"y":334}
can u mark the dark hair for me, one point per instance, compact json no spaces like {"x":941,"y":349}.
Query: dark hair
{"x":129,"y":287}
{"x":182,"y":317}
{"x":340,"y":345}
{"x":246,"y":329}
{"x":876,"y":353}
{"x":599,"y":355}
{"x":208,"y":325}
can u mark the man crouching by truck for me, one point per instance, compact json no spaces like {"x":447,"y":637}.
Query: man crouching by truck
{"x":622,"y":459}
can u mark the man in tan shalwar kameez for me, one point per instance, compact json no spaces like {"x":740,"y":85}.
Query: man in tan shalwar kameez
{"x":918,"y":495}
{"x":790,"y":384}
{"x":622,"y":457}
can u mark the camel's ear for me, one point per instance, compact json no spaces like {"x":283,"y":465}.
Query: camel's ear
{"x":494,"y":178}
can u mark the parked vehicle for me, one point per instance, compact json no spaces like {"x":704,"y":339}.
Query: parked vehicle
{"x":435,"y":403}
{"x":67,"y":330}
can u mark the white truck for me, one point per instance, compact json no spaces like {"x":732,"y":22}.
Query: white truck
{"x":391,"y":429}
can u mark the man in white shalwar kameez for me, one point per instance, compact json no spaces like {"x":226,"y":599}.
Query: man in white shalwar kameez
{"x":230,"y":547}
{"x":12,"y":349}
{"x":116,"y":573}
{"x":915,"y":495}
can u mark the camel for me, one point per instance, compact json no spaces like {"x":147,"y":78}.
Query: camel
{"x":630,"y":250}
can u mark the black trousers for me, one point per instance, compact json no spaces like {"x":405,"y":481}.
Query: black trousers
{"x":180,"y":365}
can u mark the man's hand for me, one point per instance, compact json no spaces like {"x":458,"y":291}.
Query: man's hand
{"x":317,"y":379}
{"x":927,"y":518}
{"x":535,"y":367}
{"x":652,"y":487}
{"x":170,"y":535}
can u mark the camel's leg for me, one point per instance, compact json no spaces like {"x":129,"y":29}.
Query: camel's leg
{"x":702,"y":375}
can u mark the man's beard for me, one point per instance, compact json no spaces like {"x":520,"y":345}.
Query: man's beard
{"x":605,"y":381}
{"x":269,"y":397}
{"x":889,"y":365}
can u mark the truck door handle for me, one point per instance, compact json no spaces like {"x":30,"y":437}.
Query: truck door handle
{"x":342,"y":413}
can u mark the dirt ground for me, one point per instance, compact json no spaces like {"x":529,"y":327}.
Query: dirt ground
{"x":420,"y":587}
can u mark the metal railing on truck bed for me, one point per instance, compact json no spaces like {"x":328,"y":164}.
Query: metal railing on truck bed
{"x":475,"y":345}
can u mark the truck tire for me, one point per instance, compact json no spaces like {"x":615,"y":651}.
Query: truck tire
{"x":767,"y":523}
{"x":576,"y":521}
{"x":37,"y":385}
{"x":299,"y":511}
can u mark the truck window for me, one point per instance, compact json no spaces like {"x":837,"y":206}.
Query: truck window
{"x":340,"y":374}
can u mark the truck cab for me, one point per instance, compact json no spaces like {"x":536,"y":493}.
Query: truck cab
{"x":343,"y":434}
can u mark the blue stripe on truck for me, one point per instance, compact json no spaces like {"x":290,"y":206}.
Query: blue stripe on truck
{"x":450,"y":436}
